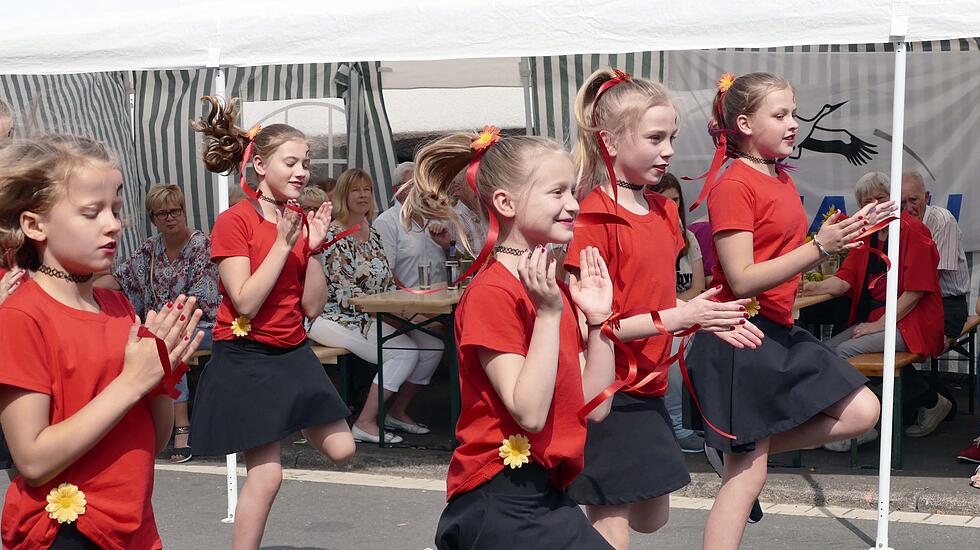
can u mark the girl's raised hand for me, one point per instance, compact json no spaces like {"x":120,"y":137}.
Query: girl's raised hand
{"x":175,"y":324}
{"x":878,"y":211}
{"x":838,"y":234}
{"x":537,"y":271}
{"x":319,"y":221}
{"x":713,"y":316}
{"x":592,"y":290}
{"x":10,"y":281}
{"x":289,"y":225}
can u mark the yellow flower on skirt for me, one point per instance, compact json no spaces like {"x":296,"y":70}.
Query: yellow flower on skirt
{"x":752,"y":308}
{"x":241,"y":326}
{"x":65,"y":503}
{"x":516,"y":451}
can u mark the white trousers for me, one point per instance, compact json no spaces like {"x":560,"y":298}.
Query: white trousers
{"x":400,"y":365}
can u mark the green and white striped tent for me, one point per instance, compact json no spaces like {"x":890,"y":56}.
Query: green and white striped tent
{"x":167,"y":101}
{"x":157,"y":145}
{"x":556,"y":79}
{"x":95,"y":105}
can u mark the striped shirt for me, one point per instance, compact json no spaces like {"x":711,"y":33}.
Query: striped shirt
{"x":954,"y":274}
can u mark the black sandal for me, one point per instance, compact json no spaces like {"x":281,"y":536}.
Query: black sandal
{"x":182,"y":454}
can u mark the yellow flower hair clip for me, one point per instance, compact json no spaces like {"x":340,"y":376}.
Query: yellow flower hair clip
{"x":65,"y":503}
{"x":253,"y":132}
{"x":489,"y":136}
{"x":516,"y":451}
{"x":241,"y":326}
{"x":725,"y":82}
{"x":752,"y":308}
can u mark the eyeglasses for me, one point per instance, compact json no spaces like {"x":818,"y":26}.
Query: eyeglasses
{"x":161,"y":215}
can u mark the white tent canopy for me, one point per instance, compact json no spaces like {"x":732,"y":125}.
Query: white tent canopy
{"x":59,"y":36}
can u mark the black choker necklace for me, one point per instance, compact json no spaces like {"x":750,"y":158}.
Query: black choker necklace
{"x":59,"y":274}
{"x":628,"y":185}
{"x":753,"y":158}
{"x":509,"y":250}
{"x":272,"y":200}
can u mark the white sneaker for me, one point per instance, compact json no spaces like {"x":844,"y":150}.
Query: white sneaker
{"x":927,"y":420}
{"x":364,"y":437}
{"x":844,"y":445}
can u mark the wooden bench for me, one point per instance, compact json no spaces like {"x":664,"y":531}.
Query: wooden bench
{"x":326,"y":355}
{"x":872,"y":365}
{"x":965,"y":345}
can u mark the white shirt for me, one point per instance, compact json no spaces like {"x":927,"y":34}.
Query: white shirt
{"x":474,"y":227}
{"x":685,"y":274}
{"x":407,"y":249}
{"x":954,"y":274}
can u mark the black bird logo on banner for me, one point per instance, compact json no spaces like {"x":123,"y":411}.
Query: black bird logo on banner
{"x":820,"y":139}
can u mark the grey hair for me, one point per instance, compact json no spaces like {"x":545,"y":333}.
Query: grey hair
{"x":399,"y":174}
{"x":915,"y":175}
{"x":869,"y":183}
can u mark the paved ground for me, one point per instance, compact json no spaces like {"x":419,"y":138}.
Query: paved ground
{"x":343,"y":511}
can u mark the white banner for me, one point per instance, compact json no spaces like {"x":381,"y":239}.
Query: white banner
{"x":844,"y":107}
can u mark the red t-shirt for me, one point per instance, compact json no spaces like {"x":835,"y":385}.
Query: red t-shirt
{"x":242,"y":231}
{"x":646,"y":274}
{"x":921,"y":328}
{"x":47,"y":347}
{"x":745,"y":199}
{"x":496,"y":313}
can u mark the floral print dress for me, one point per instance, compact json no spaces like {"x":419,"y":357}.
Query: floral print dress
{"x":354,"y":268}
{"x":150,"y":279}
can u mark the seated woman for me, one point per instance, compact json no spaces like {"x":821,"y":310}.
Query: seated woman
{"x":175,"y":261}
{"x":919,"y":305}
{"x":355,"y":266}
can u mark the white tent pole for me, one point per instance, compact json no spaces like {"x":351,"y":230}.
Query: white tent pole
{"x":525,"y":68}
{"x":219,"y":85}
{"x":891,"y":303}
{"x":231,"y":461}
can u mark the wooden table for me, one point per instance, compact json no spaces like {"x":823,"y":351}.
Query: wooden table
{"x":402,"y":306}
{"x":809,"y":300}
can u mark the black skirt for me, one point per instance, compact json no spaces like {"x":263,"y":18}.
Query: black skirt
{"x":517,"y":508}
{"x":631,"y":456}
{"x":753,"y":394}
{"x":251,"y":394}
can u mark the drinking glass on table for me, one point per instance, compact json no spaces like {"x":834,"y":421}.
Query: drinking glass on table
{"x":425,"y":275}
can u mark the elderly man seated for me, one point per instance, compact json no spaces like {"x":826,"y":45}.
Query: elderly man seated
{"x":425,"y":242}
{"x":954,"y":274}
{"x":919,"y":304}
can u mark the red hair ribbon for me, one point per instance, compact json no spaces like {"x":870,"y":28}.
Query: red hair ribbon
{"x":621,"y":76}
{"x":487,"y":138}
{"x":721,"y":147}
{"x":257,"y":194}
{"x":171,"y":376}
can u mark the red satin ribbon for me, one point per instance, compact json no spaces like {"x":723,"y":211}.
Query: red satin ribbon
{"x":629,"y":383}
{"x":171,"y":376}
{"x":607,"y":158}
{"x":694,"y":397}
{"x":884,"y":257}
{"x":711,"y":176}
